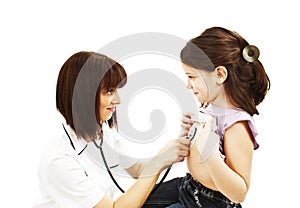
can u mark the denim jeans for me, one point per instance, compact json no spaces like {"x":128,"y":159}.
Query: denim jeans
{"x":165,"y":195}
{"x":187,"y":193}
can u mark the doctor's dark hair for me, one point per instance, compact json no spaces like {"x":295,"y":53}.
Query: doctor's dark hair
{"x":247,"y":82}
{"x":79,"y":83}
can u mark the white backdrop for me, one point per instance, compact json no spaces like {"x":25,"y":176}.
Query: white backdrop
{"x":37,"y":37}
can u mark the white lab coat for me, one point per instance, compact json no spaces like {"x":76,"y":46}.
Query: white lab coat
{"x":70,"y":180}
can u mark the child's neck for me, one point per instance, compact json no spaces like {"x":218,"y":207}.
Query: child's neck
{"x":223,"y":102}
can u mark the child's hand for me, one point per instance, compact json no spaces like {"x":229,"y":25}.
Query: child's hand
{"x":207,"y":140}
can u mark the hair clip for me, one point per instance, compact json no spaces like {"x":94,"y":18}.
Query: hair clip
{"x":250,"y":53}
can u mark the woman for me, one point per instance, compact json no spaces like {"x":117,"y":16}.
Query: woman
{"x":86,"y":96}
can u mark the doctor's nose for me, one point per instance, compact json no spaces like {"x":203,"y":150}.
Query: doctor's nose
{"x":116,"y":100}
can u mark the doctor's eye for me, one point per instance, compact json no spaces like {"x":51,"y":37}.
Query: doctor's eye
{"x":111,"y":91}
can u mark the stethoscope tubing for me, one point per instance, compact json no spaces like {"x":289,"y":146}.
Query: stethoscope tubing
{"x":106,"y":165}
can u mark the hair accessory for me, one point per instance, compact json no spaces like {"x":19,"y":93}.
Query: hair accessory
{"x":250,"y":53}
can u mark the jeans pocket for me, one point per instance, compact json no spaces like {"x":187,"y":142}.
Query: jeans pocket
{"x":233,"y":205}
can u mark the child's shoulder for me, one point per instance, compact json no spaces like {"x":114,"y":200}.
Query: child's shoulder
{"x":237,"y":115}
{"x":234,"y":115}
{"x":226,"y":117}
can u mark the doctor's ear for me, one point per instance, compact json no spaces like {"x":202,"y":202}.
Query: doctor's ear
{"x":221,"y":73}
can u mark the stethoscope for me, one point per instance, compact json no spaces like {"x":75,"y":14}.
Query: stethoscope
{"x":106,"y":165}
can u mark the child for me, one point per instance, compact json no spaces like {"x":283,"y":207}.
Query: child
{"x":225,"y":75}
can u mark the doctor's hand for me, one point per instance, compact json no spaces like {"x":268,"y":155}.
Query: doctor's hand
{"x":186,"y":123}
{"x":174,"y":151}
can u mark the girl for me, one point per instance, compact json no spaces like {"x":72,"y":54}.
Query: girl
{"x":225,"y":75}
{"x":86,"y":96}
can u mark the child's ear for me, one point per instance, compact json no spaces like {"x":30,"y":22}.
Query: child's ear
{"x":221,"y":73}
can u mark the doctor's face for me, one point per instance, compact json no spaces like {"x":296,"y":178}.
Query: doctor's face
{"x":108,"y":101}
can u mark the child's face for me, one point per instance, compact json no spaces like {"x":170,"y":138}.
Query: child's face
{"x":198,"y":81}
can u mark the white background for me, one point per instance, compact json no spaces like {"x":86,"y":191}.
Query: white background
{"x":38,"y":36}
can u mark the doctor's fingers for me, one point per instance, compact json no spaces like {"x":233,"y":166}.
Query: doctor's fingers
{"x":187,"y":119}
{"x":185,"y":127}
{"x":183,"y":143}
{"x":182,"y":148}
{"x":183,"y":153}
{"x":187,"y":115}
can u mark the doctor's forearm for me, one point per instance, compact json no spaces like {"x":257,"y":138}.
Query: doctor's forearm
{"x":138,"y":193}
{"x":136,"y":196}
{"x":136,"y":170}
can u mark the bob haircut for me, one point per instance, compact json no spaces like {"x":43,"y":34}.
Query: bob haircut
{"x":81,"y":79}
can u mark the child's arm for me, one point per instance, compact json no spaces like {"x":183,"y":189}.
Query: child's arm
{"x":232,"y":177}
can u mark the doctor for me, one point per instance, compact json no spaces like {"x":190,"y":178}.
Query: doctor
{"x":86,"y":96}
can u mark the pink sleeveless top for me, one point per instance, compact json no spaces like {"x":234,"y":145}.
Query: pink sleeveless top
{"x":226,"y":117}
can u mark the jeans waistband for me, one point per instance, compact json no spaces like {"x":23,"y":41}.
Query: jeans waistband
{"x":207,"y":192}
